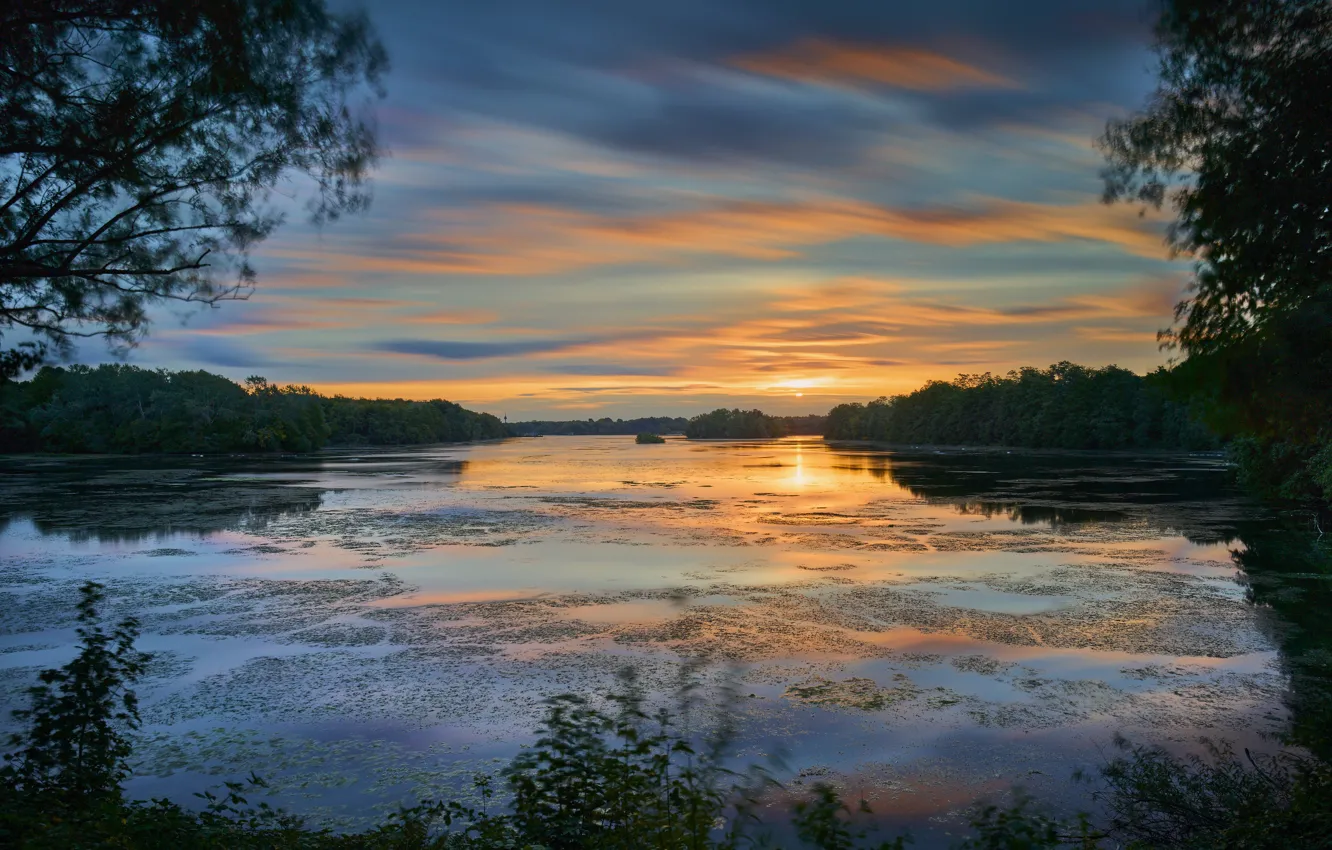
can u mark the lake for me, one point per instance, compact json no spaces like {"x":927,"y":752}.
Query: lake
{"x":920,"y":628}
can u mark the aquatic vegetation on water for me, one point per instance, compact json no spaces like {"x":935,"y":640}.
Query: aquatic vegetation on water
{"x":519,"y":575}
{"x":858,"y":693}
{"x":619,"y":777}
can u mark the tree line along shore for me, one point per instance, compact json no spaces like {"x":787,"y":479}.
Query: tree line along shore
{"x":127,"y":409}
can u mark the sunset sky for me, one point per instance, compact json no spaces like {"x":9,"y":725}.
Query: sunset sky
{"x":596,"y":208}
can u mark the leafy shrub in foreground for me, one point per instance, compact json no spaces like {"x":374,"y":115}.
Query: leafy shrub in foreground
{"x":1224,"y":801}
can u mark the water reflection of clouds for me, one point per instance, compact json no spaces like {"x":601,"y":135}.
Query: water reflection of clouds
{"x":571,"y":551}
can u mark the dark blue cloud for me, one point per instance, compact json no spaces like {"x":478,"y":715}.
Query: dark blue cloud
{"x":496,"y":44}
{"x":455,"y":350}
{"x":610,"y":73}
{"x":220,"y":351}
{"x":702,"y":123}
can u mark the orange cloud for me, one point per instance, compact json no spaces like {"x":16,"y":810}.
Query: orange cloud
{"x":365,"y":303}
{"x":1116,"y":335}
{"x":449,"y":317}
{"x":1155,"y":297}
{"x":533,"y":240}
{"x":829,"y":62}
{"x":885,"y":303}
{"x":839,"y":339}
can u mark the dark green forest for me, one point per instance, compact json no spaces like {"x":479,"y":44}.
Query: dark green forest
{"x":604,"y":425}
{"x":1236,"y":142}
{"x":812,"y":423}
{"x":1065,"y":406}
{"x":125,"y":409}
{"x":722,"y":424}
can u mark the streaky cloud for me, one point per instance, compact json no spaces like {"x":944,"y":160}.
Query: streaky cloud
{"x":458,"y":350}
{"x":818,"y":60}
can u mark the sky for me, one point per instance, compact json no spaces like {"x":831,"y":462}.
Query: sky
{"x":594,"y":208}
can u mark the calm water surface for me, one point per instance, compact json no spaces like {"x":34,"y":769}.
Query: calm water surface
{"x":923,"y":629}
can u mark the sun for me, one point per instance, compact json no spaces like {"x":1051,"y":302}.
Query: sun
{"x":800,"y":395}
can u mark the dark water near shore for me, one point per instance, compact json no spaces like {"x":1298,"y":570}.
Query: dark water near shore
{"x":923,"y":629}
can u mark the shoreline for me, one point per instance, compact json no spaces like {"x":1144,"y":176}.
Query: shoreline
{"x":256,"y":455}
{"x":974,"y":449}
{"x":930,"y":448}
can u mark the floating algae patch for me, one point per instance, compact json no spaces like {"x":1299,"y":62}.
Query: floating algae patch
{"x":1192,"y":622}
{"x":982,"y":664}
{"x":28,"y":647}
{"x":266,"y":607}
{"x":295,"y":767}
{"x":337,"y":685}
{"x":340,"y":634}
{"x":858,"y":693}
{"x":215,"y":606}
{"x":1162,"y":672}
{"x":809,"y":518}
{"x":382,"y":533}
{"x":745,"y":633}
{"x":15,"y":680}
{"x":823,"y":541}
{"x":863,"y":694}
{"x":1230,"y":702}
{"x":1053,"y":703}
{"x":899,"y":544}
{"x":602,"y":503}
{"x":259,"y":549}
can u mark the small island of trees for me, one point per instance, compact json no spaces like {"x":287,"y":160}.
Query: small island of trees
{"x":723,"y":424}
{"x":643,"y":439}
{"x":598,"y":427}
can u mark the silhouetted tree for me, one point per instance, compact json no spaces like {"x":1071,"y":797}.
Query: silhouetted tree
{"x":139,"y":140}
{"x":1237,"y":140}
{"x":735,"y":424}
{"x":605,"y":425}
{"x":1066,"y":406}
{"x":125,"y":409}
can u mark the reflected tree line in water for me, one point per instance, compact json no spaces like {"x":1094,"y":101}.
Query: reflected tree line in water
{"x":1284,"y":563}
{"x":108,"y":501}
